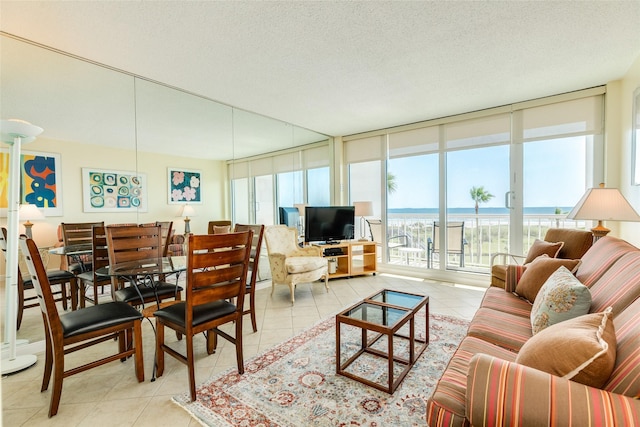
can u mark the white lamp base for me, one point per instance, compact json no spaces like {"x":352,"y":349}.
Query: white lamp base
{"x":18,"y":364}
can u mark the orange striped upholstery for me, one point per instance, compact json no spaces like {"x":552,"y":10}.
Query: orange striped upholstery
{"x":602,"y":255}
{"x":503,"y":329}
{"x":619,"y":286}
{"x":498,"y":299}
{"x":625,"y":378}
{"x":512,"y":276}
{"x":447,"y":405}
{"x":501,"y":393}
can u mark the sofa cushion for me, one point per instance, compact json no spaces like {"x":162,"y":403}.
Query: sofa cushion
{"x":576,"y":242}
{"x":537,"y":273}
{"x":498,"y":299}
{"x":541,"y":247}
{"x":221,"y":229}
{"x":506,"y":330}
{"x":562,"y":297}
{"x":600,"y":257}
{"x":625,"y":378}
{"x":448,"y":399}
{"x":619,"y":286}
{"x":582,"y":349}
{"x":302,"y":264}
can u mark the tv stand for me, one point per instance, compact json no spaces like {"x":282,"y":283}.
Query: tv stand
{"x":352,"y":258}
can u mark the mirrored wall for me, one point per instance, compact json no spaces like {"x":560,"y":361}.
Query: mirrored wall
{"x":95,"y":116}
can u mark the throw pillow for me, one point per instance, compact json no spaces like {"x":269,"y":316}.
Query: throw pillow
{"x":582,"y":349}
{"x":538,"y":272}
{"x":562,"y":297}
{"x":542,"y":247}
{"x":221,"y":229}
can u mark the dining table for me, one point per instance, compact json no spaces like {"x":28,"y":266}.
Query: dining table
{"x":76,"y":253}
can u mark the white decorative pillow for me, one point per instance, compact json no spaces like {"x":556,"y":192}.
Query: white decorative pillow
{"x":562,"y":297}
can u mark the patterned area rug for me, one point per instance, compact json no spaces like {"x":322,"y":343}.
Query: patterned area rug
{"x":295,"y":383}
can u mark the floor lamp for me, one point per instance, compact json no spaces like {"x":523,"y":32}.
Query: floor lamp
{"x":15,"y":133}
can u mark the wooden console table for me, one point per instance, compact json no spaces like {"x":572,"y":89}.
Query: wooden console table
{"x":353,"y":258}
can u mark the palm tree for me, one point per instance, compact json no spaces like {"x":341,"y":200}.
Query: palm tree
{"x":480,"y":195}
{"x":392,"y":185}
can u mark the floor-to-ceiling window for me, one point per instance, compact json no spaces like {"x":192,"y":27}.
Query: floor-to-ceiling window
{"x":497,"y":178}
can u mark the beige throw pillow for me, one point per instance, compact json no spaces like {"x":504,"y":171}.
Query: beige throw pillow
{"x":541,"y":247}
{"x":582,"y":349}
{"x":538,"y":272}
{"x":221,"y":229}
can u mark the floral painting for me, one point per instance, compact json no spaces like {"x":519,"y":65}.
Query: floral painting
{"x":184,"y":186}
{"x":113,"y":191}
{"x":40,"y":182}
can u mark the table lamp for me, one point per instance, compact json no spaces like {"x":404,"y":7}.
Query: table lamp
{"x":603,"y":204}
{"x":301,"y":211}
{"x":363,"y":209}
{"x":187,"y":211}
{"x":27,"y":213}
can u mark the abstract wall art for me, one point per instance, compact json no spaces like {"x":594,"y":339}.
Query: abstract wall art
{"x":40,"y":181}
{"x":184,"y":186}
{"x":113,"y":191}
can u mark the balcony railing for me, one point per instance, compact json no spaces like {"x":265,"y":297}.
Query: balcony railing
{"x":484,"y":235}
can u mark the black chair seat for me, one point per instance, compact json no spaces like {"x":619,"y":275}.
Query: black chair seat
{"x":202,"y":313}
{"x":162,"y":290}
{"x":77,"y":267}
{"x":87,"y":276}
{"x":97,"y":317}
{"x":54,"y":276}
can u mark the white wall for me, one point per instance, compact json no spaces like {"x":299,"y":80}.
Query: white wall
{"x":74,"y":156}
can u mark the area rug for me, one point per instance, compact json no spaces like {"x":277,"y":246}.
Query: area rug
{"x":295,"y":383}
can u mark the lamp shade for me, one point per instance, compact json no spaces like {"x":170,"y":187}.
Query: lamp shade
{"x":15,"y":128}
{"x":187,"y":211}
{"x":30,"y":212}
{"x":301,"y":208}
{"x":363,"y":208}
{"x":604,"y":204}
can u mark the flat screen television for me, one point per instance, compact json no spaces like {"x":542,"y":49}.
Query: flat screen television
{"x":328,"y":223}
{"x":289,"y":216}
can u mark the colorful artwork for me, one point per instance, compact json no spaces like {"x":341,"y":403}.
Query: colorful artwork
{"x":184,"y":186}
{"x":113,"y":191}
{"x":40,"y":182}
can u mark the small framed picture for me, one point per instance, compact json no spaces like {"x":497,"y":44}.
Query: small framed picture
{"x":113,"y":191}
{"x":185,"y":186}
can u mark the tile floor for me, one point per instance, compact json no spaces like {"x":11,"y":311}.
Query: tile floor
{"x":109,"y":395}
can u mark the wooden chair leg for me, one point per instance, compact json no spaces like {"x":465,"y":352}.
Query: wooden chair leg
{"x":58,"y":376}
{"x":191,"y":367}
{"x":48,"y":358}
{"x":238,"y":344}
{"x":252,"y":307}
{"x":138,"y":355}
{"x":63,"y":295}
{"x":73,"y":285}
{"x":20,"y":303}
{"x":212,"y":341}
{"x":159,"y":348}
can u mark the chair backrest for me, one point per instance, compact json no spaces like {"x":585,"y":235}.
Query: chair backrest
{"x":375,"y":228}
{"x":166,"y":230}
{"x":42,"y":287}
{"x":76,"y":233}
{"x":222,"y":223}
{"x":99,"y":250}
{"x":132,"y":243}
{"x":217,"y":266}
{"x":455,"y":237}
{"x":256,"y":246}
{"x":281,"y":239}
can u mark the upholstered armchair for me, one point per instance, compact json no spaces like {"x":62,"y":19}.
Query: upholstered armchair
{"x":291,"y":264}
{"x":562,"y":243}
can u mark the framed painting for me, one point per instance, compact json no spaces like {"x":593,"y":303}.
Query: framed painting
{"x":113,"y":191}
{"x":184,"y":186}
{"x":40,"y":181}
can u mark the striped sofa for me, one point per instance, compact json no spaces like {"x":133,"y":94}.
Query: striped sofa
{"x":483,"y":386}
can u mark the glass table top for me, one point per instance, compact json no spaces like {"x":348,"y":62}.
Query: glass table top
{"x":376,"y":314}
{"x":396,"y":298}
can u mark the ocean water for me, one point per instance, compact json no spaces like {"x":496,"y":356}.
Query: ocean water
{"x":539,"y":210}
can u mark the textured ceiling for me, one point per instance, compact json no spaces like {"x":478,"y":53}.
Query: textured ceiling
{"x":345,"y":67}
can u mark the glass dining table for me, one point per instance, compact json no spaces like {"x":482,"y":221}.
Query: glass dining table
{"x":75,"y":252}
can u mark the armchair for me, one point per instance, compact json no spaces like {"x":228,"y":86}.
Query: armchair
{"x":291,"y":264}
{"x":575,"y":244}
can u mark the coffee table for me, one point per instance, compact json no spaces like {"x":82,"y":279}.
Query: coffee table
{"x":384,"y":313}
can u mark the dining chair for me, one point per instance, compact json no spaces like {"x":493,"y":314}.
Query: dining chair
{"x":252,"y":274}
{"x":456,"y":242}
{"x":77,"y":233}
{"x":56,"y":278}
{"x":100,"y":255}
{"x":134,"y":243}
{"x":80,"y":329}
{"x":219,"y":226}
{"x":217,"y":266}
{"x":166,"y":230}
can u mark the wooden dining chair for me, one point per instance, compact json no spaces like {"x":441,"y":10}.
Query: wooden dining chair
{"x":166,"y":230}
{"x":60,"y":278}
{"x":134,"y":243}
{"x":100,"y":255}
{"x":217,"y":266}
{"x":78,"y":233}
{"x":80,"y":329}
{"x":252,"y":274}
